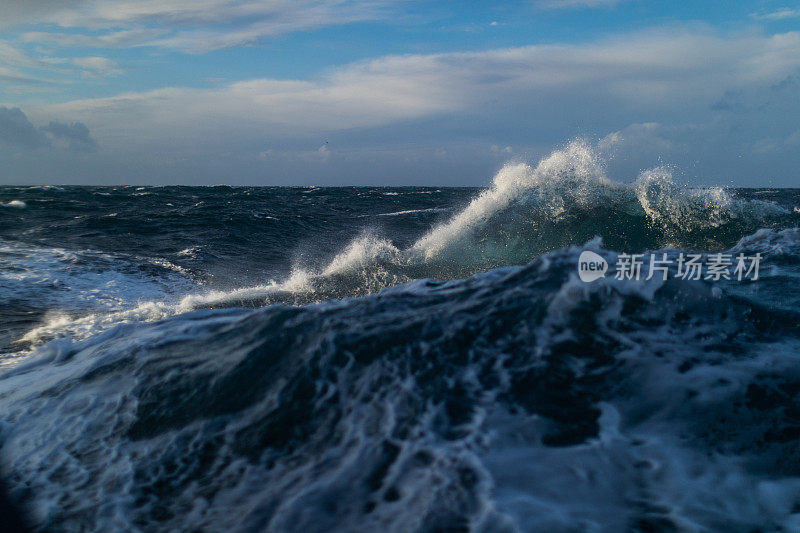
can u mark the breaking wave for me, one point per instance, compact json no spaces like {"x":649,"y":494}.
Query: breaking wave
{"x":565,"y":200}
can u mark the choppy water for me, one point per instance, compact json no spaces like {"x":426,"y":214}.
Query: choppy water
{"x":412,"y":359}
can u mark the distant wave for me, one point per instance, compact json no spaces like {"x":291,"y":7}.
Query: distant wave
{"x":414,"y":212}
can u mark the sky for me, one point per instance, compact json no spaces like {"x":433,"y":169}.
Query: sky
{"x":394,"y":92}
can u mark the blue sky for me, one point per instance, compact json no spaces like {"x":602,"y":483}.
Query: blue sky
{"x":393,"y":92}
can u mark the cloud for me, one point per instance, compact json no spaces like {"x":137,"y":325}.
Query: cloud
{"x":498,"y":150}
{"x":650,"y":138}
{"x":688,"y":95}
{"x":76,"y":134}
{"x":11,"y":55}
{"x":752,"y":137}
{"x":15,"y":76}
{"x":781,"y":14}
{"x":642,"y":72}
{"x":189,"y":25}
{"x":17,"y":12}
{"x":575,"y":4}
{"x":284,"y":15}
{"x":97,"y":66}
{"x":17,"y":66}
{"x":114,"y":39}
{"x":17,"y":131}
{"x":20,"y":70}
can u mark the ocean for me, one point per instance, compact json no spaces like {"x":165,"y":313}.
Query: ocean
{"x":401,"y":359}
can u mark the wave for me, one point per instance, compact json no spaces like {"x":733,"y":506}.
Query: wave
{"x":79,"y":292}
{"x":464,"y":404}
{"x":414,"y":211}
{"x":565,"y":200}
{"x":432,"y":386}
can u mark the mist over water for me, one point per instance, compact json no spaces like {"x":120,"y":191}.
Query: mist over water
{"x":410,"y":359}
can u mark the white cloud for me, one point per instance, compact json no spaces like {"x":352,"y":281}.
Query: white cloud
{"x":20,"y":69}
{"x":11,"y":55}
{"x":652,"y":137}
{"x":114,"y":39}
{"x":498,"y":150}
{"x":639,"y":72}
{"x":97,"y":66}
{"x":189,"y":25}
{"x":781,"y":14}
{"x":574,"y":4}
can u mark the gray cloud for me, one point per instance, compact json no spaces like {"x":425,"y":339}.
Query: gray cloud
{"x":752,"y":134}
{"x":17,"y":131}
{"x":76,"y":134}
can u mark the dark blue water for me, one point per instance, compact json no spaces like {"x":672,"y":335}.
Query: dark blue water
{"x":410,"y":359}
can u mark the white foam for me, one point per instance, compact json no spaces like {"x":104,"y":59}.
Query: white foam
{"x":85,"y":291}
{"x":362,"y":253}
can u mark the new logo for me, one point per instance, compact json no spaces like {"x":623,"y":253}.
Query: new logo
{"x":591,"y":266}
